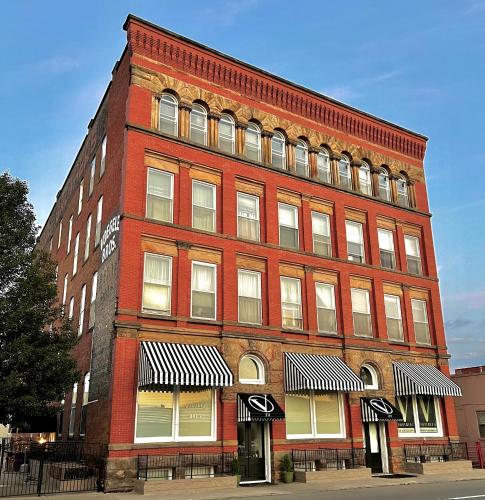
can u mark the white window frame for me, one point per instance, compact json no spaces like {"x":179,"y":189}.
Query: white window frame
{"x":324,"y":175}
{"x":361,"y":243}
{"x":397,"y":300}
{"x":258,"y":220}
{"x":391,"y":239}
{"x":329,"y":236}
{"x":417,"y":430}
{"x":173,"y":121}
{"x":76,"y":255}
{"x":313,"y":420}
{"x":92,"y":174}
{"x":367,"y":295}
{"x":418,"y":246}
{"x":198,"y":108}
{"x":87,"y":239}
{"x":374,"y":376}
{"x":279,"y":137}
{"x":214,"y":209}
{"x":297,"y":224}
{"x":228,"y":119}
{"x":206,"y":264}
{"x":302,"y":146}
{"x":300,"y":303}
{"x":257,"y":131}
{"x":69,"y":235}
{"x":402,"y":192}
{"x":82,"y":307}
{"x":175,"y":438}
{"x":81,"y":195}
{"x":254,"y":381}
{"x":99,"y":218}
{"x":92,"y":302}
{"x":64,"y":290}
{"x":71,"y":308}
{"x":425,"y":309}
{"x":384,"y":190}
{"x":348,"y":183}
{"x":170,"y":284}
{"x":258,"y":274}
{"x":364,"y":170}
{"x":59,"y":236}
{"x":102,"y":163}
{"x":72,"y":412}
{"x":332,"y":287}
{"x":171,"y":176}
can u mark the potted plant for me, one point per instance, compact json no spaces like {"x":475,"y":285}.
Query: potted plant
{"x":236,"y":470}
{"x":286,"y":466}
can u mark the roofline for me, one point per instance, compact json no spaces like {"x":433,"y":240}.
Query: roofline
{"x":268,"y":74}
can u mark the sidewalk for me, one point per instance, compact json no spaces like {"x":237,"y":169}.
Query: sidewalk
{"x":280,"y":490}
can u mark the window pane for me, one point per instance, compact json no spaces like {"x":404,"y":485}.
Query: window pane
{"x":323,"y":167}
{"x":297,"y":410}
{"x":248,"y":216}
{"x":159,"y":195}
{"x":321,"y":234}
{"x":291,"y":303}
{"x":203,"y":291}
{"x":253,"y":143}
{"x":325,"y":296}
{"x":203,"y":203}
{"x":226,"y":134}
{"x":327,"y":413}
{"x":288,"y":215}
{"x":198,"y":125}
{"x":393,"y":317}
{"x":157,"y":283}
{"x":420,"y":319}
{"x":360,"y":301}
{"x":195,"y":413}
{"x":405,"y":405}
{"x":248,"y":369}
{"x":278,"y":157}
{"x":249,"y":290}
{"x":169,"y":115}
{"x":412,"y":246}
{"x":155,"y":414}
{"x":427,"y":414}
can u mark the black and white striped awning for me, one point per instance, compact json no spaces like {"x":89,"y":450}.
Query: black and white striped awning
{"x":305,"y":372}
{"x":378,"y":410}
{"x":258,"y":408}
{"x":412,"y":379}
{"x":163,"y":365}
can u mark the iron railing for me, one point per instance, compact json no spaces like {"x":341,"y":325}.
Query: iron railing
{"x":185,"y":465}
{"x":423,"y":453}
{"x":328,"y":458}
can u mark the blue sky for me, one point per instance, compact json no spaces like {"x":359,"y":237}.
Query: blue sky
{"x":419,"y":64}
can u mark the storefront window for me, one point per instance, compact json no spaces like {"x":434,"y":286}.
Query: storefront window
{"x":314,"y":415}
{"x":155,"y":415}
{"x":420,"y":415}
{"x":427,"y":414}
{"x":195,"y":413}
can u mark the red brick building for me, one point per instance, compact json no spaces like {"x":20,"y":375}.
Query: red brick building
{"x":225,"y":233}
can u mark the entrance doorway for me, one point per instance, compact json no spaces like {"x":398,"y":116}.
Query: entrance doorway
{"x":252,"y":451}
{"x":376,"y":456}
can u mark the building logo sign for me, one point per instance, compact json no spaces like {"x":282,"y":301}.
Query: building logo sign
{"x":381,"y":406}
{"x":109,"y":240}
{"x":261,"y":403}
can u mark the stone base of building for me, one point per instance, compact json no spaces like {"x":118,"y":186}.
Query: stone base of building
{"x":121,"y":474}
{"x":184,"y":485}
{"x":332,"y":476}
{"x":429,"y":468}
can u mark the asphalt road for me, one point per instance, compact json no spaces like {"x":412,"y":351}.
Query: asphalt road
{"x":458,"y":490}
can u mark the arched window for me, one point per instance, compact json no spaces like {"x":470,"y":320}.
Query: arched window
{"x":253,"y":142}
{"x":169,"y":112}
{"x":368,"y":375}
{"x":402,"y":192}
{"x":251,"y":370}
{"x":198,"y":124}
{"x":323,"y":166}
{"x":278,"y":153}
{"x":365,"y":179}
{"x":384,"y":185}
{"x":301,"y":158}
{"x":345,"y":179}
{"x":227,"y":134}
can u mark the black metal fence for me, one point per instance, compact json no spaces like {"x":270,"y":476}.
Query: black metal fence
{"x":32,"y":468}
{"x":328,"y":458}
{"x":185,"y":465}
{"x":423,"y":453}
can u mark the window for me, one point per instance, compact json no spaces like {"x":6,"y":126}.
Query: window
{"x":384,"y":185}
{"x":198,"y":124}
{"x":386,"y":248}
{"x":249,"y":296}
{"x":84,"y":409}
{"x":288,"y":221}
{"x":420,"y":320}
{"x":345,"y":179}
{"x":323,"y":166}
{"x":278,"y":150}
{"x":314,"y":415}
{"x":392,"y":305}
{"x":92,"y":305}
{"x":159,"y":195}
{"x":322,"y":244}
{"x":176,"y":416}
{"x":481,"y":423}
{"x":368,"y":375}
{"x":69,"y":235}
{"x":72,"y":415}
{"x":157,"y":284}
{"x":355,"y":241}
{"x":361,"y":312}
{"x":402,"y":192}
{"x":413,"y":254}
{"x":82,"y":305}
{"x":76,"y":253}
{"x":365,"y":179}
{"x":291,"y":313}
{"x":50,"y":245}
{"x":87,"y":241}
{"x":169,"y":112}
{"x":71,"y":309}
{"x":203,"y":290}
{"x":59,"y":236}
{"x":91,"y":176}
{"x":421,"y":415}
{"x":251,"y":370}
{"x":64,"y":290}
{"x":253,"y":142}
{"x":327,"y":320}
{"x":80,"y":200}
{"x":301,"y":158}
{"x":102,"y":164}
{"x":248,"y":216}
{"x":203,"y":206}
{"x":99,"y":218}
{"x":227,"y":133}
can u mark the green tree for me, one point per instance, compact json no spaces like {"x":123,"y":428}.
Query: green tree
{"x":36,"y":367}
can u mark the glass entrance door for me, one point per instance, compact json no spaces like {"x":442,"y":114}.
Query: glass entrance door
{"x":251,"y":453}
{"x":373,"y":457}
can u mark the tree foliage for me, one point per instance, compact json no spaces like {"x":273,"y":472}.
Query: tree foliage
{"x":36,"y":367}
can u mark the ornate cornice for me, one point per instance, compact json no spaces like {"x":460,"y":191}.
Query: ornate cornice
{"x":158,"y":82}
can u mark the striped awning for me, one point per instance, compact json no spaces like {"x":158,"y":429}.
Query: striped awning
{"x":163,"y":365}
{"x":412,"y":379}
{"x":378,"y":410}
{"x":258,"y":408}
{"x":305,"y":372}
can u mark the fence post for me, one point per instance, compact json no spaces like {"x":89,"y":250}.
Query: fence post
{"x":2,"y":455}
{"x":479,"y":454}
{"x":41,"y":470}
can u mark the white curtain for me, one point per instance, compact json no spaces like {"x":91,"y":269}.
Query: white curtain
{"x":203,"y":195}
{"x":392,"y":303}
{"x":385,"y":240}
{"x":159,"y":183}
{"x":287,"y":215}
{"x":203,"y":278}
{"x":412,"y":246}
{"x":248,"y":285}
{"x":290,"y":291}
{"x":156,"y":289}
{"x":157,"y":269}
{"x":360,"y":302}
{"x":320,"y":224}
{"x":354,"y":232}
{"x":325,"y":296}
